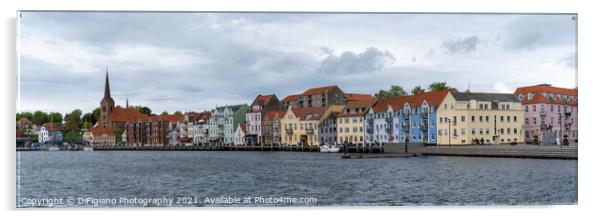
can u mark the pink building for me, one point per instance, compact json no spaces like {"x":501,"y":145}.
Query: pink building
{"x":549,"y":111}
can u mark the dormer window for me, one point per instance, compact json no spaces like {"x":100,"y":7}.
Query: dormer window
{"x":529,"y":96}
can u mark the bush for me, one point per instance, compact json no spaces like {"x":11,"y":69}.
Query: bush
{"x":536,"y":140}
{"x":565,"y":140}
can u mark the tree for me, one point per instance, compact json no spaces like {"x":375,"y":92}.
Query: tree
{"x":144,"y":110}
{"x":27,"y":115}
{"x":394,"y":91}
{"x":417,"y":90}
{"x":435,"y":86}
{"x":55,"y":117}
{"x":89,"y":118}
{"x":96,"y":113}
{"x":73,"y":120}
{"x":39,"y":117}
{"x":177,"y":113}
{"x":164,"y":113}
{"x":118,"y":132}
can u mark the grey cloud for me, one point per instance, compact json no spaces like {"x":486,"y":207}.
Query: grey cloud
{"x":466,"y":45}
{"x":530,"y":32}
{"x":349,"y":63}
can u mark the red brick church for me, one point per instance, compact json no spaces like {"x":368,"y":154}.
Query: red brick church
{"x":115,"y":117}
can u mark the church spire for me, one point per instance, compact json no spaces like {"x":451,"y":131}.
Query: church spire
{"x":107,"y":89}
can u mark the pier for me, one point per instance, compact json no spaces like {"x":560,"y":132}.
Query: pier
{"x":504,"y":151}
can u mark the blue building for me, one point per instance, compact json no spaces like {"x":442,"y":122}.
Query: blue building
{"x":418,"y":118}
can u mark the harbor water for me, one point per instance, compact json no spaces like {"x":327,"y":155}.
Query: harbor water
{"x":240,"y":178}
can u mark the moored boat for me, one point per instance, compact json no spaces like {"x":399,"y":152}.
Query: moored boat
{"x":329,"y":149}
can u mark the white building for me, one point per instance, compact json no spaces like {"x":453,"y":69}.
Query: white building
{"x":239,"y":135}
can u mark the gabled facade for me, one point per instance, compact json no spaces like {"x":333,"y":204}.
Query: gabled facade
{"x":299,"y":126}
{"x":254,"y":118}
{"x":550,"y":110}
{"x":350,"y":124}
{"x":99,"y":137}
{"x":239,"y":135}
{"x":483,"y":118}
{"x":328,"y":125}
{"x":223,"y":123}
{"x":271,"y":127}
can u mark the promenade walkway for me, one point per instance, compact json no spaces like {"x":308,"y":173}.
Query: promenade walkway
{"x":516,"y":151}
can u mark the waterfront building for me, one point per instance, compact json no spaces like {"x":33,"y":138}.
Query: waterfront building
{"x":50,"y":133}
{"x":271,"y":127}
{"x":200,"y":128}
{"x":254,"y":118}
{"x":239,"y":135}
{"x":327,"y":125}
{"x":349,"y":123}
{"x":23,"y":123}
{"x":381,"y":125}
{"x":99,"y":137}
{"x":485,"y":118}
{"x":418,"y":118}
{"x":550,"y":112}
{"x":298,"y":126}
{"x":316,"y":97}
{"x":223,"y":121}
{"x":155,"y":130}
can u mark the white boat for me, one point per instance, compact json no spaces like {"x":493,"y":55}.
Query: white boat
{"x":329,"y":149}
{"x":53,"y":148}
{"x":88,"y":149}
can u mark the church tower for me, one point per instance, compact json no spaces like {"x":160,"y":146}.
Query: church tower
{"x":107,"y":105}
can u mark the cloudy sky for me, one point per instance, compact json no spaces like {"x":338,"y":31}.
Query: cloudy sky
{"x":195,"y":61}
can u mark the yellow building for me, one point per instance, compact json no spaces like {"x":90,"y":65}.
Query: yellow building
{"x":350,"y":121}
{"x":99,"y":137}
{"x":480,"y":118}
{"x":299,"y":126}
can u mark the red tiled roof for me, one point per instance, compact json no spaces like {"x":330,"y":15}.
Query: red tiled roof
{"x":24,"y":121}
{"x":51,"y":127}
{"x":318,"y":90}
{"x":538,"y":96}
{"x":293,"y":97}
{"x":304,"y":113}
{"x":355,"y":97}
{"x":395,"y":102}
{"x":547,"y":89}
{"x":366,"y":104}
{"x":271,"y":115}
{"x":263,"y":99}
{"x":126,"y":114}
{"x":431,"y":97}
{"x":102,"y":131}
{"x":243,"y":127}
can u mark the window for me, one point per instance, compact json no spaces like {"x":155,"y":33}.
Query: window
{"x":534,"y":108}
{"x":501,"y":119}
{"x":515,"y":131}
{"x":480,"y":118}
{"x":463,"y":118}
{"x":487,"y":131}
{"x":481,"y":131}
{"x":463,"y":131}
{"x":526,"y":108}
{"x":472,"y":118}
{"x":487,"y":118}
